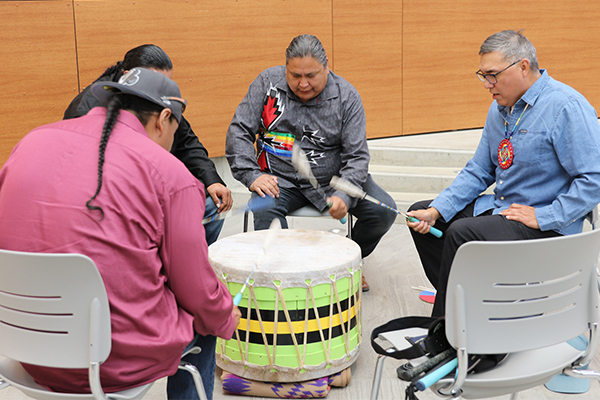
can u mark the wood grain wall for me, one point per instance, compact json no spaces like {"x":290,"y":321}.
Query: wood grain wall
{"x":39,"y":74}
{"x":413,"y":61}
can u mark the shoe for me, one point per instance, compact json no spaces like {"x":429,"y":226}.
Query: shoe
{"x":365,"y":285}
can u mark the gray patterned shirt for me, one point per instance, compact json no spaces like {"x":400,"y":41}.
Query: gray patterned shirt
{"x":330,"y":128}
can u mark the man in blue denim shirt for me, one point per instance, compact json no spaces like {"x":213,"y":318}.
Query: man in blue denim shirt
{"x":540,"y":146}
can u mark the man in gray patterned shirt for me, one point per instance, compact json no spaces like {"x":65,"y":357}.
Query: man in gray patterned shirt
{"x":306,"y":104}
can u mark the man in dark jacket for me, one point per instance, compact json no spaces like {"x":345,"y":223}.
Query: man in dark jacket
{"x":186,"y":146}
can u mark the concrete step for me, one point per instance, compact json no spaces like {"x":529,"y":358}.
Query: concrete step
{"x":412,"y":174}
{"x":406,"y":179}
{"x":419,"y":157}
{"x":405,"y":199}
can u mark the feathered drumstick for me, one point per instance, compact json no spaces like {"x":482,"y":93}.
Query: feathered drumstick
{"x":302,"y":165}
{"x":255,"y":204}
{"x":270,"y":236}
{"x":354,"y":191}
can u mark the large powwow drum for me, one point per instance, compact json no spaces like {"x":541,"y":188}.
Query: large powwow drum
{"x":301,"y":314}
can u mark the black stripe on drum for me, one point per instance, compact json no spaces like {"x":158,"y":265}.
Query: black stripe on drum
{"x":296,"y":315}
{"x":286,"y":339}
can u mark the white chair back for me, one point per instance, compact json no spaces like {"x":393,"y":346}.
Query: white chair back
{"x":506,"y":297}
{"x":53,"y":310}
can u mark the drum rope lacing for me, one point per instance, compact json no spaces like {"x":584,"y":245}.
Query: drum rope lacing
{"x":280,"y":298}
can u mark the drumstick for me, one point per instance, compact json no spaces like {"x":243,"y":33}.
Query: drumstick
{"x":411,"y":373}
{"x":436,"y":375}
{"x":216,"y":217}
{"x":255,"y":204}
{"x":273,"y":228}
{"x":302,"y":165}
{"x":354,"y":191}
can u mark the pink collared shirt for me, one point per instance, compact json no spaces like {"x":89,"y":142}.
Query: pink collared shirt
{"x":150,"y":247}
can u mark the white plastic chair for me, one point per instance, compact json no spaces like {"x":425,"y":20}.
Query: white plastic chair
{"x":54,"y":312}
{"x":526,"y":298}
{"x":306,"y":211}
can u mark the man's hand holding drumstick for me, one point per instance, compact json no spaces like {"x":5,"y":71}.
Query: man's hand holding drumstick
{"x":338,"y":208}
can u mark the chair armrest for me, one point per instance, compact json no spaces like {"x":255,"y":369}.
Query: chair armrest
{"x":454,"y":387}
{"x":592,"y":346}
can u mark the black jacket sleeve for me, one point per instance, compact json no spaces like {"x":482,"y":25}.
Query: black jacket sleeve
{"x":192,"y":153}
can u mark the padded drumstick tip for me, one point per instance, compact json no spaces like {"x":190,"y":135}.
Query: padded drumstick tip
{"x":270,"y":237}
{"x":344,"y":186}
{"x":274,"y":227}
{"x":300,"y":162}
{"x":302,"y":165}
{"x":354,"y":191}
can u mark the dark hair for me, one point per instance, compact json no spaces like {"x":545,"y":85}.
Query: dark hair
{"x":142,"y":109}
{"x":145,"y":56}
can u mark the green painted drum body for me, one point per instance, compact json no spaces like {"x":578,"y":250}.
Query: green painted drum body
{"x":301,"y":313}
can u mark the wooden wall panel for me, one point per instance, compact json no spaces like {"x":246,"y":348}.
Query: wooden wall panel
{"x":566,"y":35}
{"x":412,"y":61}
{"x":441,"y":45}
{"x":37,"y":49}
{"x":217,"y":46}
{"x":367,"y":51}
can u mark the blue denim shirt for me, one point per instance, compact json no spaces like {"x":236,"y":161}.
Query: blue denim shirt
{"x":556,"y":166}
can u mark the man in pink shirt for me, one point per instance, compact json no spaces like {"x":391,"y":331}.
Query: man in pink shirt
{"x":132,"y":207}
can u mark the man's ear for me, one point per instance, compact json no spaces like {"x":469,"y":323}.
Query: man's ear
{"x":525,"y":66}
{"x":163,"y":120}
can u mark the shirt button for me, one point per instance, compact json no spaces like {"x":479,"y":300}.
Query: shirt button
{"x":502,"y":198}
{"x":501,"y":182}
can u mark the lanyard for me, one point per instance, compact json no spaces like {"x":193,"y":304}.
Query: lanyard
{"x":514,"y":127}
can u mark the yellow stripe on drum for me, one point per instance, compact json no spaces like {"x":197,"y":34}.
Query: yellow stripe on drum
{"x":283,"y":327}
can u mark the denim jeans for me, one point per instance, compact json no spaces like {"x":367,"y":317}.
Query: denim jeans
{"x":372,"y":220}
{"x":181,"y":385}
{"x":212,"y":229}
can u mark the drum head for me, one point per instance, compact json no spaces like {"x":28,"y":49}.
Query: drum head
{"x":291,"y":254}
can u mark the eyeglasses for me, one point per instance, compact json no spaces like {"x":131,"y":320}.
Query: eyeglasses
{"x":491,"y":78}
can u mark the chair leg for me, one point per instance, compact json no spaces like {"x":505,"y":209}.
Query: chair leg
{"x":349,"y":226}
{"x":582,"y":373}
{"x":197,"y":378}
{"x":246,"y":220}
{"x":377,"y":377}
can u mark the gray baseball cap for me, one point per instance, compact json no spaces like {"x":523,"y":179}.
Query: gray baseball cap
{"x":147,"y":84}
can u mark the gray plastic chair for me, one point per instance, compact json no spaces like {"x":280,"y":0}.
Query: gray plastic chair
{"x":306,"y":211}
{"x":592,"y":217}
{"x":54,"y":312}
{"x":525,"y":298}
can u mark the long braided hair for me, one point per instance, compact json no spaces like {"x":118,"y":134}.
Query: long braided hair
{"x":144,"y":56}
{"x":141,"y":108}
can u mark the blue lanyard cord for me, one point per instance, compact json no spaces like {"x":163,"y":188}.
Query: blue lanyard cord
{"x":514,"y":127}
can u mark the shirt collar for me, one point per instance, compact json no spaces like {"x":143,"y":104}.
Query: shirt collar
{"x":125,"y":117}
{"x":531,"y":95}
